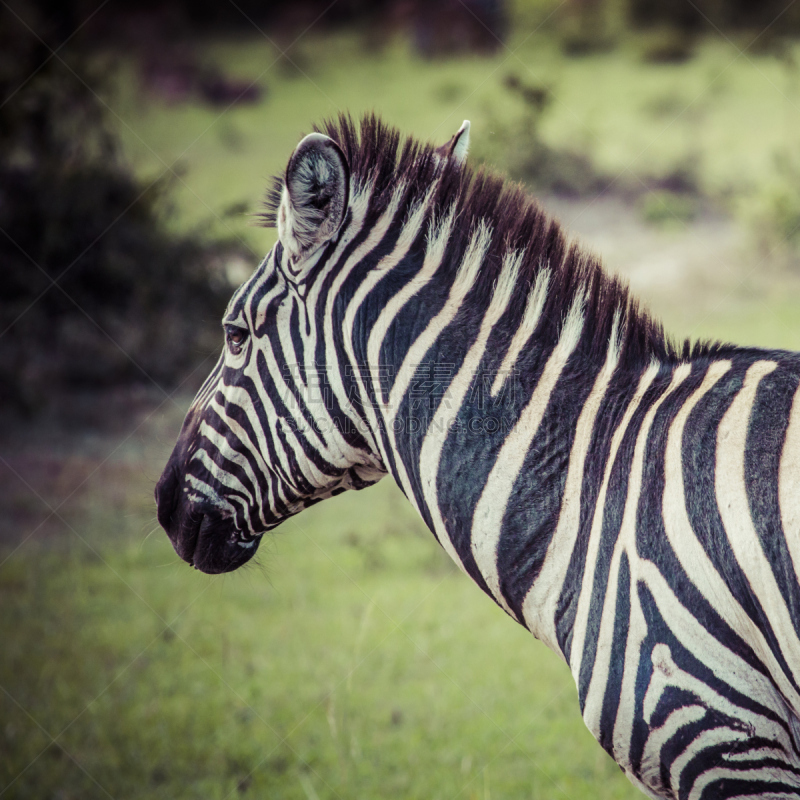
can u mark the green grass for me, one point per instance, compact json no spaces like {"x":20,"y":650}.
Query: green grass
{"x":356,"y":663}
{"x":749,"y":316}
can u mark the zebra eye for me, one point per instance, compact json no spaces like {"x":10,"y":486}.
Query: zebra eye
{"x":236,"y":337}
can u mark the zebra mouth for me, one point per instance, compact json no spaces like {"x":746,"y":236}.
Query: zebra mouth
{"x":188,"y":535}
{"x":215,"y":547}
{"x":203,"y":535}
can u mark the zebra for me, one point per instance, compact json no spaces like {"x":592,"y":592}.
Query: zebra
{"x":632,"y":500}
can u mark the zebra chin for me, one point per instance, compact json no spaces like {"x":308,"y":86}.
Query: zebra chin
{"x":210,"y":543}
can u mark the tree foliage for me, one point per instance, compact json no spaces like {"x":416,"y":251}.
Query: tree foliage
{"x":95,"y":290}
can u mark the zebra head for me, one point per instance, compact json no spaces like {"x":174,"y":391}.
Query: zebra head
{"x":274,"y":428}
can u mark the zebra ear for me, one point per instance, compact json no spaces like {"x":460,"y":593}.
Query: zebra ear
{"x":458,"y":146}
{"x":315,"y":194}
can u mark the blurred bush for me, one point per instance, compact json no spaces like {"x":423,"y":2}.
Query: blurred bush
{"x":95,"y":289}
{"x":668,"y":208}
{"x":531,"y":160}
{"x":774,"y":213}
{"x":586,"y":27}
{"x":705,"y":15}
{"x":666,"y":45}
{"x":435,"y":28}
{"x":451,"y":26}
{"x":518,"y":147}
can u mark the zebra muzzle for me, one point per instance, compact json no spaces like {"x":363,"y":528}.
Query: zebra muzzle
{"x":201,"y":537}
{"x":216,"y":546}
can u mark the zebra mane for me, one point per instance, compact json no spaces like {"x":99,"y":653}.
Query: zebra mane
{"x":384,"y":163}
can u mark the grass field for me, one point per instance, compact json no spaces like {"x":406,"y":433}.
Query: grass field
{"x":355,"y":661}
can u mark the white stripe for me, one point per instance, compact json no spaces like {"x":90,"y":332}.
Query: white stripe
{"x":270,"y":472}
{"x":226,"y":479}
{"x":658,"y":738}
{"x":625,"y":543}
{"x":708,"y":650}
{"x":735,"y":512}
{"x":359,"y":206}
{"x":488,"y":517}
{"x":524,"y":331}
{"x":210,"y":494}
{"x":540,"y":605}
{"x":235,"y":457}
{"x":776,"y":751}
{"x":438,"y":237}
{"x":283,"y":385}
{"x":376,"y":234}
{"x":257,"y":316}
{"x":587,"y":584}
{"x":239,"y":396}
{"x":221,"y":475}
{"x":667,"y":673}
{"x":409,"y":232}
{"x":789,"y":486}
{"x":338,"y":449}
{"x":450,"y":404}
{"x":464,"y":281}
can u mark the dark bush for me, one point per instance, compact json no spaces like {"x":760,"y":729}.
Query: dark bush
{"x":518,"y":147}
{"x":709,"y":15}
{"x":584,"y":29}
{"x":95,"y":290}
{"x":666,"y":45}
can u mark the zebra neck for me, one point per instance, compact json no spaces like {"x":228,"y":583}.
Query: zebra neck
{"x":475,"y":409}
{"x":482,"y":443}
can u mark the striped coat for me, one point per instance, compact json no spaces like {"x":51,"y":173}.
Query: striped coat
{"x":633,"y":501}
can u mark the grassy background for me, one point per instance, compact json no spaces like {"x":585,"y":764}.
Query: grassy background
{"x":356,"y":662}
{"x":726,"y":115}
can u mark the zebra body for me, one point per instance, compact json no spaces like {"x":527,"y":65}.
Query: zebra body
{"x":635,"y":504}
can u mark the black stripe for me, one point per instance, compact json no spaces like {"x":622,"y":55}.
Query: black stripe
{"x":618,"y":395}
{"x":612,"y":520}
{"x":535,"y":503}
{"x":616,"y":665}
{"x":769,"y":420}
{"x":468,"y":455}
